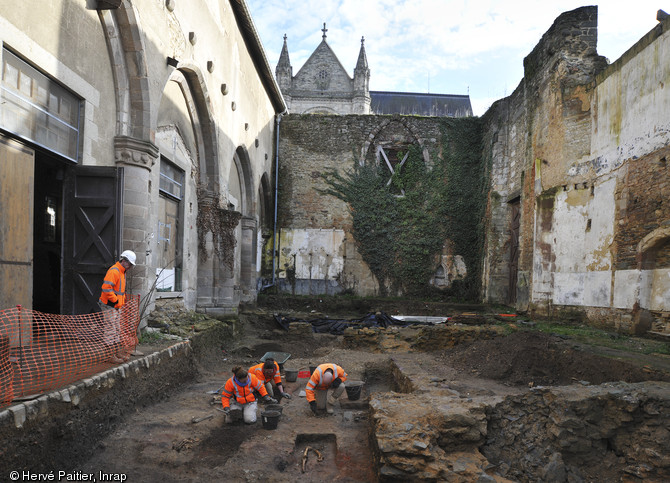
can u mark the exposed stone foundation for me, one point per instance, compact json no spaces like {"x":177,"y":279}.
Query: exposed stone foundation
{"x":566,"y":433}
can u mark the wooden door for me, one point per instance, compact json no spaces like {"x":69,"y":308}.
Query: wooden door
{"x":92,"y":240}
{"x":17,"y":168}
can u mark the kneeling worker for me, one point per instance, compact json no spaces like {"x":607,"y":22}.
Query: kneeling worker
{"x":238,"y":394}
{"x":325,"y":376}
{"x":268,"y":374}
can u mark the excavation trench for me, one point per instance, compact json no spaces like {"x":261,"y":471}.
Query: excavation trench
{"x":456,"y":403}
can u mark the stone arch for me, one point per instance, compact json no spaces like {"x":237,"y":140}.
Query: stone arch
{"x":653,"y":261}
{"x":195,"y":92}
{"x":376,"y":135}
{"x":249,"y":226}
{"x":649,"y":247}
{"x":243,"y":163}
{"x":134,"y":149}
{"x":210,"y":271}
{"x":320,"y":110}
{"x":127,"y":54}
{"x":265,"y":210}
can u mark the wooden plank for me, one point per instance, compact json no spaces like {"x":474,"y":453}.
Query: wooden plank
{"x":17,"y":171}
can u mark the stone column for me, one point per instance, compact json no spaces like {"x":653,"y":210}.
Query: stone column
{"x":248,"y":259}
{"x":207,"y":262}
{"x":137,"y":157}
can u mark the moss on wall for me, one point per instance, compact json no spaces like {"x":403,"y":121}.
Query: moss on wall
{"x":221,"y":223}
{"x":401,"y":226}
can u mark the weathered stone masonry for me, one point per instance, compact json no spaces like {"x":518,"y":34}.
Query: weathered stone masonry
{"x":314,"y":228}
{"x":581,"y":146}
{"x":577,"y":217}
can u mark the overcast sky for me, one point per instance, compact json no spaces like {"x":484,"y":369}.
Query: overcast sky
{"x":473,"y":47}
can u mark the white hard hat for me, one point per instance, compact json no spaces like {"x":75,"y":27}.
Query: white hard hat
{"x":327,"y":377}
{"x":130,"y":256}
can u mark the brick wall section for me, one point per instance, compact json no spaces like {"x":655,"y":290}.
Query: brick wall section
{"x":643,"y":206}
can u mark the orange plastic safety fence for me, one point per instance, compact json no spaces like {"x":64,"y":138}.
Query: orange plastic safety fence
{"x":41,"y":352}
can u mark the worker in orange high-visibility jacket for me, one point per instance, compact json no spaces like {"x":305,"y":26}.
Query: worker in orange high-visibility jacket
{"x":268,"y":373}
{"x":238,"y":395}
{"x":324,"y":377}
{"x":112,"y":298}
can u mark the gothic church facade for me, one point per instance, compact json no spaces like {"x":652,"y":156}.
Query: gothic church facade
{"x":323,"y":86}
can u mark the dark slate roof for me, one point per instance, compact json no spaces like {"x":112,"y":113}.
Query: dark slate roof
{"x":409,"y":103}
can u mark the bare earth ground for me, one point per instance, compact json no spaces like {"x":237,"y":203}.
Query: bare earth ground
{"x":161,"y":443}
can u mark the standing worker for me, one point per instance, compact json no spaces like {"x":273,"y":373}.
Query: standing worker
{"x":324,"y":377}
{"x":112,"y":298}
{"x":268,"y":374}
{"x":238,"y":394}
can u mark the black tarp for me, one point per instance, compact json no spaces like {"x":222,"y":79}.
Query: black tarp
{"x":337,"y":326}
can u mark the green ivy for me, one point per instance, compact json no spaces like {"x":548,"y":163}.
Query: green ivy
{"x":467,"y":183}
{"x":400,"y":237}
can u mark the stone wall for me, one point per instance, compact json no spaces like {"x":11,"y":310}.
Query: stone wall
{"x":581,"y":146}
{"x":570,"y":433}
{"x":416,"y":338}
{"x":317,"y":252}
{"x":161,"y":82}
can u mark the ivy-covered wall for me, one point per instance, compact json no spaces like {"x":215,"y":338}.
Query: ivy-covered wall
{"x":416,"y":230}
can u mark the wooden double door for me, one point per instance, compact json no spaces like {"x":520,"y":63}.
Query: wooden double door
{"x":60,"y":229}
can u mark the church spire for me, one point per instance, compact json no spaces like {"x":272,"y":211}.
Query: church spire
{"x":362,"y":72}
{"x":284,"y":71}
{"x":362,"y":63}
{"x":284,"y":60}
{"x":362,"y":82}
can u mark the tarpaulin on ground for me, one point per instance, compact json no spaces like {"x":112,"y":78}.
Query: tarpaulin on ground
{"x":337,"y":326}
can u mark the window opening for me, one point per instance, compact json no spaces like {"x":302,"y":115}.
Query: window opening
{"x":393,"y":162}
{"x":50,"y":221}
{"x":171,"y":193}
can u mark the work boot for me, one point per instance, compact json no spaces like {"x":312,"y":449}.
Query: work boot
{"x":330,"y":404}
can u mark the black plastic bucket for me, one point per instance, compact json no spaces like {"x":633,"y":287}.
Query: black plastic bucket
{"x":291,"y":375}
{"x":312,"y":369}
{"x":353,"y":389}
{"x":270,"y":419}
{"x":274,"y":407}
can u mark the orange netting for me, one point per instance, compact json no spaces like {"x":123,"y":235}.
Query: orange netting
{"x":41,"y":352}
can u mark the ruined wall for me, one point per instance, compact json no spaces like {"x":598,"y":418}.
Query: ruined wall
{"x":430,"y":428}
{"x":589,"y":175}
{"x":317,"y":252}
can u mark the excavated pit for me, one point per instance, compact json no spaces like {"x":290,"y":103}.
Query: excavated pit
{"x":441,"y":403}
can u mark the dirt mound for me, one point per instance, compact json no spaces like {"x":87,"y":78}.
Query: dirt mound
{"x":538,"y":359}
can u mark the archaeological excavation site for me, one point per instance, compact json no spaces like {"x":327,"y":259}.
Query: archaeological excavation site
{"x":474,"y":395}
{"x":490,"y":293}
